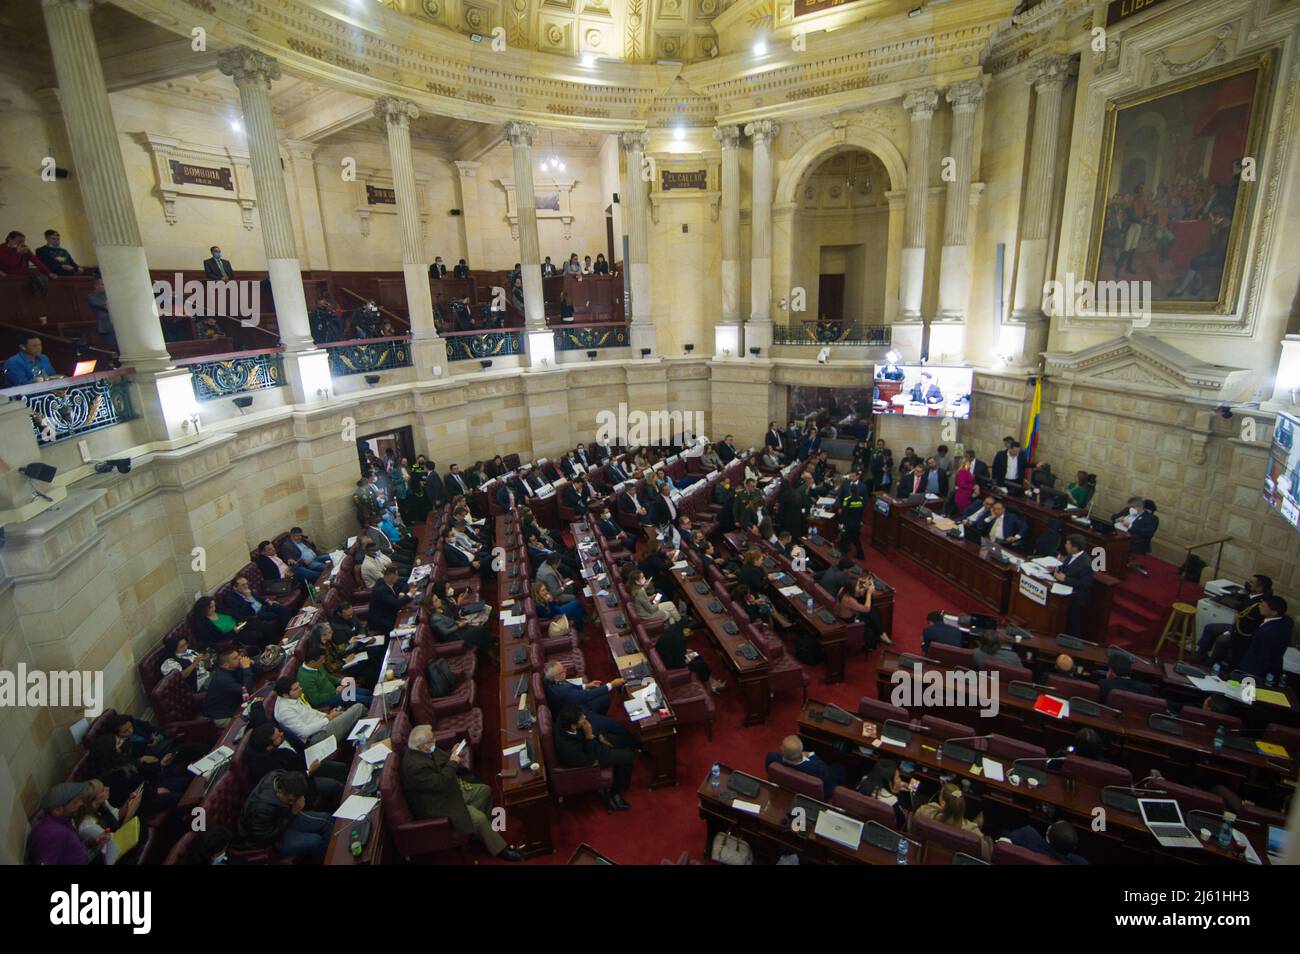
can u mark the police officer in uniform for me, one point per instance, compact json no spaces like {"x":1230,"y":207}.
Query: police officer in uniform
{"x":853,"y":504}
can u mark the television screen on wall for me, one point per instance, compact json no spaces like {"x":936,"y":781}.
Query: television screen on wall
{"x":922,"y":390}
{"x":1282,"y":479}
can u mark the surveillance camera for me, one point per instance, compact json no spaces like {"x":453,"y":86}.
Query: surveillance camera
{"x":824,"y":355}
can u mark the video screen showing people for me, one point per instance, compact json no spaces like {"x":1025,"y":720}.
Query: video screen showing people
{"x":922,"y":390}
{"x":1282,"y":479}
{"x":837,"y":413}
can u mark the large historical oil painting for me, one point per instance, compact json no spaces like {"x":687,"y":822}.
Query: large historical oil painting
{"x":1177,"y":185}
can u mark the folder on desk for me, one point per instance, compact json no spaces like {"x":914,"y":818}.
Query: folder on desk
{"x":630,"y":661}
{"x":1273,"y":749}
{"x":1273,"y":697}
{"x":1052,"y":706}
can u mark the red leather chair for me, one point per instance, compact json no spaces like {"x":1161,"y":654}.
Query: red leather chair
{"x":568,"y":781}
{"x":465,"y":724}
{"x":945,"y":729}
{"x":877,"y":711}
{"x":413,"y":837}
{"x":1189,"y":799}
{"x":574,"y":664}
{"x":1209,"y":717}
{"x":1005,"y":748}
{"x":952,"y":655}
{"x":1119,"y":699}
{"x":1008,"y":673}
{"x":863,"y":807}
{"x":1005,"y":853}
{"x":425,"y":708}
{"x":1070,"y":688}
{"x":1099,"y":773}
{"x":793,"y":780}
{"x":1284,"y":735}
{"x":177,"y":709}
{"x":942,"y":841}
{"x":691,"y":702}
{"x":783,"y":672}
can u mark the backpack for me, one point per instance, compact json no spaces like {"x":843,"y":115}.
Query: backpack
{"x":442,"y":681}
{"x":806,"y":649}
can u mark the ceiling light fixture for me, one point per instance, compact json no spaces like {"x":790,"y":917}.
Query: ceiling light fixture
{"x":760,"y":48}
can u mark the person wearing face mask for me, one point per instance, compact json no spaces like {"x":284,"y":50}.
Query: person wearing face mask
{"x":1140,"y":520}
{"x":216,"y":267}
{"x":438,"y":269}
{"x":437,"y":785}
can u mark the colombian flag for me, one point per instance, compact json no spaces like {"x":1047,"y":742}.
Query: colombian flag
{"x":1031,"y":434}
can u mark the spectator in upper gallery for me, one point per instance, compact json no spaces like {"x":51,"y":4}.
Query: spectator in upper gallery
{"x":586,"y":265}
{"x":217,"y":267}
{"x":58,"y":259}
{"x":573,"y":266}
{"x":600,"y":267}
{"x":548,"y":269}
{"x":28,"y":365}
{"x":326,"y":324}
{"x":437,"y":269}
{"x":17,"y":259}
{"x":517,"y":291}
{"x":461,"y":270}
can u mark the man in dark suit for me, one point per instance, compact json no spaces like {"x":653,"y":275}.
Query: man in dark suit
{"x":1264,"y":649}
{"x":461,"y":270}
{"x":581,"y":456}
{"x":1119,"y":675}
{"x":1009,"y":463}
{"x":578,"y":744}
{"x":775,"y":439}
{"x":834,"y":577}
{"x":437,"y":270}
{"x":662,"y":510}
{"x":548,"y":268}
{"x":1003,"y":526}
{"x":727,"y":449}
{"x":216,"y":267}
{"x":434,"y":788}
{"x":602,"y":451}
{"x":1246,"y":621}
{"x":614,"y":534}
{"x":926,"y":391}
{"x":242,"y":603}
{"x":577,"y":494}
{"x":454,"y":483}
{"x":939,"y":632}
{"x":269,"y":750}
{"x":385,"y":603}
{"x":911,"y":483}
{"x":592,"y":698}
{"x":978,"y":511}
{"x":1076,"y":572}
{"x":981,"y":473}
{"x":1139,"y":519}
{"x":506,"y":497}
{"x":231,"y":679}
{"x":615,"y":473}
{"x":793,"y":756}
{"x":936,"y":479}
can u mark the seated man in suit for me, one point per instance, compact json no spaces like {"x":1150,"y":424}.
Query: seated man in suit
{"x":1119,"y":675}
{"x":727,"y":449}
{"x":577,"y":494}
{"x":978,"y":512}
{"x":614,"y":534}
{"x":1061,"y":841}
{"x":833,"y":578}
{"x":386,"y":601}
{"x":936,"y":479}
{"x":232,"y":677}
{"x":926,"y":391}
{"x":569,"y":466}
{"x":298,"y":549}
{"x":912,"y":483}
{"x":578,"y":744}
{"x":939,"y":632}
{"x":592,"y":698}
{"x":992,"y":649}
{"x":459,"y":556}
{"x":506,"y":497}
{"x":435,"y":788}
{"x":242,"y":603}
{"x":1005,"y":527}
{"x":616,"y":473}
{"x":793,"y":756}
{"x":1140,"y":520}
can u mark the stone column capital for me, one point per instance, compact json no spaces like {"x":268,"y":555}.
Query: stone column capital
{"x":396,"y":111}
{"x":921,"y":103}
{"x":763,"y":131}
{"x":634,"y":140}
{"x":965,"y":96}
{"x":521,"y":134}
{"x":72,"y":4}
{"x":727,"y":136}
{"x":248,"y":67}
{"x":1049,"y":71}
{"x":466,"y":168}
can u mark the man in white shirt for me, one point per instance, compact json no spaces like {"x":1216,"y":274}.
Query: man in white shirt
{"x":295,"y":715}
{"x":373,"y":565}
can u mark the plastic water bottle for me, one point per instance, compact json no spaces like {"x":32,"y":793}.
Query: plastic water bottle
{"x":357,"y":846}
{"x":715,"y":777}
{"x":1218,"y":739}
{"x":1268,"y":681}
{"x":1218,"y":667}
{"x":902,"y":851}
{"x":810,"y":605}
{"x":1225,"y":832}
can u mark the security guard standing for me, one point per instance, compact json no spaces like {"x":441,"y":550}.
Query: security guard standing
{"x":747,"y":496}
{"x":853,"y":503}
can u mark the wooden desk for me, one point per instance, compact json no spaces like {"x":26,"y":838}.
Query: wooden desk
{"x":957,"y":561}
{"x":885,"y":522}
{"x":1262,"y":712}
{"x":827,"y":554}
{"x":1054,"y":615}
{"x":1117,"y":546}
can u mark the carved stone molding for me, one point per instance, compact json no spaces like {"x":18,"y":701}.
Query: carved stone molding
{"x":1142,"y":362}
{"x":369,"y":179}
{"x":921,"y":104}
{"x":396,"y":111}
{"x":543,"y":189}
{"x":247,"y":66}
{"x":171,"y":155}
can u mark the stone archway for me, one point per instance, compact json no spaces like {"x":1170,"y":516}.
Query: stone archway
{"x":789,"y":249}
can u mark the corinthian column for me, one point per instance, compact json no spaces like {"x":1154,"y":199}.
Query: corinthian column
{"x":954,"y":264}
{"x":521,"y":136}
{"x":105,"y":189}
{"x":728,"y":138}
{"x":920,"y":105}
{"x":1048,"y":77}
{"x":253,"y":73}
{"x":427,"y":349}
{"x":641,"y":315}
{"x":758,"y":331}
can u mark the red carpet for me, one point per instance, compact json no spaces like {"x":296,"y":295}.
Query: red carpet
{"x":1142,"y":605}
{"x":664,"y":823}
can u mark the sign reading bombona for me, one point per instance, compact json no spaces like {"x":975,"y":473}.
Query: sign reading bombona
{"x":183,"y":173}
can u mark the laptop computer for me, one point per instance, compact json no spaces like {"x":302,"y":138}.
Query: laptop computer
{"x":1164,"y":819}
{"x":84,"y":367}
{"x":838,"y":828}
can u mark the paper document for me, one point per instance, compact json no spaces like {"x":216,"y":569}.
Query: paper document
{"x":1048,"y":561}
{"x":1060,"y":589}
{"x":931,"y":496}
{"x":1273,"y":697}
{"x":321,"y":750}
{"x":993,"y":770}
{"x":377,"y":753}
{"x":790,"y":591}
{"x":826,"y":501}
{"x":364,"y":773}
{"x":506,"y":753}
{"x":356,"y":807}
{"x":752,"y":807}
{"x":384,"y":688}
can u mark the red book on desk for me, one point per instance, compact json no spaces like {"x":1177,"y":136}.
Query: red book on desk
{"x":1050,"y":705}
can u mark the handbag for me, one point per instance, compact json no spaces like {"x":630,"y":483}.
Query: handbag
{"x":272,"y":657}
{"x":729,"y":849}
{"x":559,"y":626}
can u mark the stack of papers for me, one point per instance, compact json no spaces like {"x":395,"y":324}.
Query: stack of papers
{"x":217,"y":757}
{"x":790,"y":591}
{"x":378,"y":752}
{"x":418,"y":573}
{"x":362,"y":729}
{"x":356,"y":807}
{"x":826,"y":501}
{"x":1050,"y":562}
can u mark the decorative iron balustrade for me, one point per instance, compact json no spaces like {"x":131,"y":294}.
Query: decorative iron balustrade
{"x":590,"y":337}
{"x":832,"y":332}
{"x":236,"y":374}
{"x":366,"y":356}
{"x":79,"y":408}
{"x":487,"y":344}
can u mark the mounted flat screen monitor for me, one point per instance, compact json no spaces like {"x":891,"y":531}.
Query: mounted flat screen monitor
{"x":1282,"y":478}
{"x":922,"y":390}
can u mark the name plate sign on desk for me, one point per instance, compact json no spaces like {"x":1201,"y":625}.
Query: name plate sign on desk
{"x":1033,"y":589}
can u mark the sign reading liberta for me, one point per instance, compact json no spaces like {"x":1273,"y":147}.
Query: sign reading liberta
{"x":183,"y":173}
{"x":1118,"y":10}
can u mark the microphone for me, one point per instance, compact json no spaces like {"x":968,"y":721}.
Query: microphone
{"x":949,"y":748}
{"x":1021,"y":768}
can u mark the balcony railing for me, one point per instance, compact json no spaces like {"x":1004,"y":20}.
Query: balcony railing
{"x":588,"y":337}
{"x":831,"y":332}
{"x":481,"y":345}
{"x":224,"y":375}
{"x":367,"y":355}
{"x":70,"y":407}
